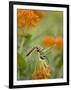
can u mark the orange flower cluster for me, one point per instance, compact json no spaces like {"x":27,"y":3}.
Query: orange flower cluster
{"x":58,"y":41}
{"x":43,"y":72}
{"x":48,"y":41}
{"x":28,"y":17}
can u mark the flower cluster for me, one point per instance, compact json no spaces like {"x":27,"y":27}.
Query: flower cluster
{"x":28,"y":17}
{"x":43,"y":72}
{"x":59,"y":42}
{"x":49,"y":41}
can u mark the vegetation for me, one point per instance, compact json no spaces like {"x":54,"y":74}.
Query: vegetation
{"x":39,"y":44}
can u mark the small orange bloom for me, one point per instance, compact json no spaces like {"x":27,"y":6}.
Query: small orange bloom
{"x":48,"y":41}
{"x":59,"y":42}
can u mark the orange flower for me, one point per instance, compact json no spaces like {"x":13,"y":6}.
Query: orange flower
{"x":59,"y":42}
{"x":42,"y":70}
{"x":42,"y":73}
{"x":28,"y":17}
{"x":48,"y":41}
{"x":20,"y":18}
{"x":40,"y":13}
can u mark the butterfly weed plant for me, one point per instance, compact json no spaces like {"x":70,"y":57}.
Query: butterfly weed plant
{"x":39,"y":44}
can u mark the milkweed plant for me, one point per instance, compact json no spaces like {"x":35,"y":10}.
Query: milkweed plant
{"x":39,"y":44}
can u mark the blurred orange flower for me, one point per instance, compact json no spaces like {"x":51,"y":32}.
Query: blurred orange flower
{"x":43,"y":72}
{"x":28,"y":17}
{"x":59,"y":42}
{"x":48,"y":41}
